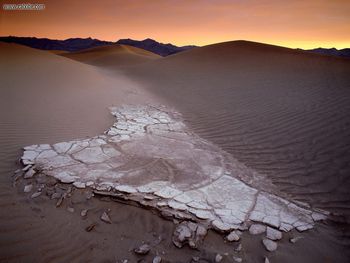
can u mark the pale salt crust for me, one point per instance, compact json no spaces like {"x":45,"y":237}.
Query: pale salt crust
{"x":150,"y":156}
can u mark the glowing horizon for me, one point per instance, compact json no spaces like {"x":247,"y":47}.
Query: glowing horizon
{"x":294,"y":24}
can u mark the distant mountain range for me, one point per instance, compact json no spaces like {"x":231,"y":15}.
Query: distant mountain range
{"x":332,"y":52}
{"x":154,"y":46}
{"x":76,"y":44}
{"x":70,"y":44}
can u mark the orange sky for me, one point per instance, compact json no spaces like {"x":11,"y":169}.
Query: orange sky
{"x":300,"y":23}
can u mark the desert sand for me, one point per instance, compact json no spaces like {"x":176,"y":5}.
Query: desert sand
{"x":114,"y":56}
{"x":281,"y":112}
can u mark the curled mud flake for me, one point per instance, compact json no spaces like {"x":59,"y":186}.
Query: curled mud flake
{"x":126,"y":189}
{"x":168,"y":192}
{"x":31,"y":147}
{"x":29,"y":174}
{"x":162,"y":204}
{"x":90,"y":227}
{"x":28,"y":188}
{"x":301,"y":226}
{"x":177,"y":206}
{"x":221,"y":226}
{"x":105,"y":218}
{"x":295,"y":239}
{"x":181,"y":235}
{"x":79,"y":185}
{"x":157,"y":259}
{"x":202,"y":214}
{"x":84,"y":212}
{"x":60,"y":201}
{"x":143,"y":249}
{"x":189,"y":233}
{"x":149,"y":197}
{"x":26,"y":168}
{"x":218,"y":258}
{"x":269,"y":245}
{"x":28,"y":157}
{"x":273,"y":234}
{"x":183,"y":198}
{"x":36,"y":194}
{"x":66,"y":177}
{"x":233,"y":236}
{"x":257,"y":229}
{"x":318,"y":216}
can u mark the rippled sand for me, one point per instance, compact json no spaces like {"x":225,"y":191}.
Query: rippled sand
{"x":283,"y":113}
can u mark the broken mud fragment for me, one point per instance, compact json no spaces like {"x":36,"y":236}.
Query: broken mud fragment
{"x":90,"y":227}
{"x":105,"y":218}
{"x":143,"y":249}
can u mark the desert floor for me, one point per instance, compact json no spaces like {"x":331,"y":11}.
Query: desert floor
{"x":282,"y":113}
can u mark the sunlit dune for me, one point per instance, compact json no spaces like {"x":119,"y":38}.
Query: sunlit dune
{"x":57,"y":52}
{"x":113,"y":56}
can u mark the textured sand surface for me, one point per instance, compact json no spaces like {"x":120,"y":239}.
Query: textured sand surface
{"x":281,"y":112}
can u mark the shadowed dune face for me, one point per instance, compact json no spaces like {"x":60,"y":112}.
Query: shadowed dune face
{"x":114,"y":56}
{"x":45,"y":98}
{"x":61,"y":95}
{"x":282,"y":112}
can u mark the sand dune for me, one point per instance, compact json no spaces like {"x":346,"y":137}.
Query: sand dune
{"x":57,"y":52}
{"x":113,"y":56}
{"x":282,"y":112}
{"x":46,"y":85}
{"x":44,"y":98}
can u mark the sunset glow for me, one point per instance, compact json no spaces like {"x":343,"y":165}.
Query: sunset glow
{"x":302,"y":24}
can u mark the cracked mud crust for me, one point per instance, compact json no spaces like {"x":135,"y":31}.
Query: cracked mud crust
{"x":151,"y":157}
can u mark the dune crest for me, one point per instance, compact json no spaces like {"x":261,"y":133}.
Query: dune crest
{"x":113,"y":56}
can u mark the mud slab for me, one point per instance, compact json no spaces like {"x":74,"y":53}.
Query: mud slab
{"x":151,"y":157}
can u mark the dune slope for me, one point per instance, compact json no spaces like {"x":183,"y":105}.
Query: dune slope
{"x":283,"y":112}
{"x":113,"y":56}
{"x":45,"y":98}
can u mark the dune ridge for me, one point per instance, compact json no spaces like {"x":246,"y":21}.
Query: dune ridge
{"x":113,"y":56}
